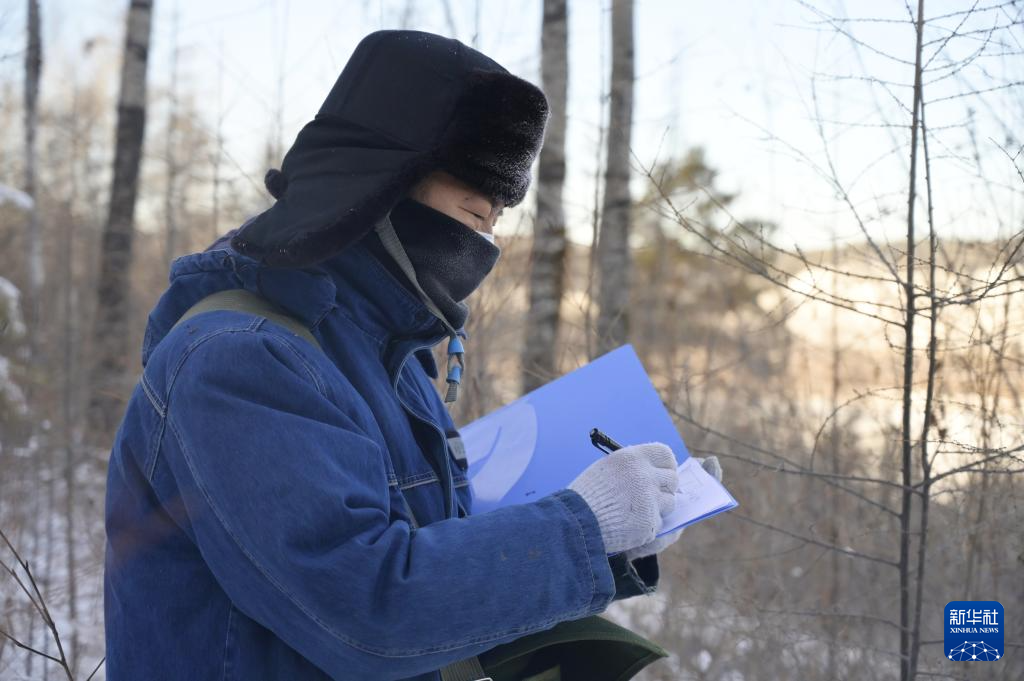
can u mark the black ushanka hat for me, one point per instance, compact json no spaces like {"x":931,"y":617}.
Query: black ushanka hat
{"x":406,"y":103}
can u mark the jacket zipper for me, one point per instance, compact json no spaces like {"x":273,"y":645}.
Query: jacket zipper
{"x":449,"y":490}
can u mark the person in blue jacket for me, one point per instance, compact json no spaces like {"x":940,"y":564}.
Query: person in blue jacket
{"x":278,"y":511}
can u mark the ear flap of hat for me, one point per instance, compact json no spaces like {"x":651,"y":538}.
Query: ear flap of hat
{"x":495,"y":134}
{"x":297,"y":231}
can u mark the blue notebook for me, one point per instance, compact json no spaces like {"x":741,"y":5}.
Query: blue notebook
{"x":539,"y":443}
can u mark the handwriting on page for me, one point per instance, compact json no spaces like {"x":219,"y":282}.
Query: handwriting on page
{"x":698,"y":496}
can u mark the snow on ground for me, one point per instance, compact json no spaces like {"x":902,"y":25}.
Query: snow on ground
{"x":9,"y":194}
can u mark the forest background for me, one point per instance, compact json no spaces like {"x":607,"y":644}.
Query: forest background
{"x":807,"y":217}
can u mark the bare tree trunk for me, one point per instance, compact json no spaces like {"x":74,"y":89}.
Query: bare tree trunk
{"x":171,"y":150}
{"x":110,"y":333}
{"x":589,"y":326}
{"x":910,"y":313}
{"x":929,"y":404}
{"x":613,"y":247}
{"x":547,"y":275}
{"x":33,"y":70}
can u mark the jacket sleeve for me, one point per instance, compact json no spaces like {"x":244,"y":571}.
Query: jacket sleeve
{"x":636,"y":577}
{"x":288,"y":503}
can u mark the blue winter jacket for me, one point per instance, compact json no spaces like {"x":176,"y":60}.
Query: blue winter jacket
{"x":262,"y":494}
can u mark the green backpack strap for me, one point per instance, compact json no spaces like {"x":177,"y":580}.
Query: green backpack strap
{"x":241,"y":300}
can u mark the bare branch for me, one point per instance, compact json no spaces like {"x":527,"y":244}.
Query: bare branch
{"x":98,"y":665}
{"x":29,"y":648}
{"x":844,"y":615}
{"x":39,"y":605}
{"x":825,"y":545}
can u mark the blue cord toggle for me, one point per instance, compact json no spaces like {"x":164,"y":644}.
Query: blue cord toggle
{"x":455,"y":365}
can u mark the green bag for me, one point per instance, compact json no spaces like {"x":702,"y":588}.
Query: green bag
{"x":587,"y":649}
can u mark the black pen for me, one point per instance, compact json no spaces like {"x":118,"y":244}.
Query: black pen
{"x":603,"y":442}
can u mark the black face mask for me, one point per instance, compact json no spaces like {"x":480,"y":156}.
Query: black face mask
{"x":450,"y":258}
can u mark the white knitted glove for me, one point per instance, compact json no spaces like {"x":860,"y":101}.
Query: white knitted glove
{"x":629,"y":491}
{"x":711,"y":465}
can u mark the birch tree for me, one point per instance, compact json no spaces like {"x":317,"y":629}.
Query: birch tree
{"x":110,"y":335}
{"x":33,"y":70}
{"x":547,"y":265}
{"x":613,"y":240}
{"x":33,"y":241}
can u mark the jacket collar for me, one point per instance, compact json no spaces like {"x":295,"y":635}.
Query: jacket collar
{"x":353,"y":281}
{"x":375,"y":300}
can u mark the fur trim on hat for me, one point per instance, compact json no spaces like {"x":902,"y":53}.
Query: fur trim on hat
{"x":495,"y":134}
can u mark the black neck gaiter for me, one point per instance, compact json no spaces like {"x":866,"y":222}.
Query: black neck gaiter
{"x":450,"y":258}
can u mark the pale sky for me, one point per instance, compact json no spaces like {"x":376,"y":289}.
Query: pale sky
{"x":722,"y":75}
